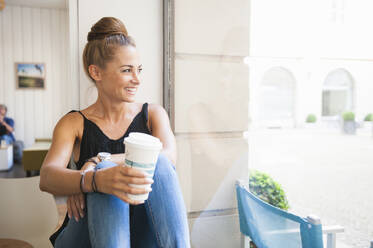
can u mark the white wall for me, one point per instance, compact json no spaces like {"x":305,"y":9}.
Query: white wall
{"x":32,"y":34}
{"x":144,"y":22}
{"x":35,"y":35}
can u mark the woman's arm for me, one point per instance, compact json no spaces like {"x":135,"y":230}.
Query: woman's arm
{"x":9,"y":127}
{"x":55,"y":178}
{"x":117,"y":158}
{"x":160,"y":128}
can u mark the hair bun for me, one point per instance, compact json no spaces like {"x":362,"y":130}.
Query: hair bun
{"x":105,"y":27}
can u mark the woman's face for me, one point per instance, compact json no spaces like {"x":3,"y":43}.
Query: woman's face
{"x":2,"y":111}
{"x":120,"y":79}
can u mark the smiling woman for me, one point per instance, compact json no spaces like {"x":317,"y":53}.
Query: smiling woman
{"x":112,"y":57}
{"x":106,"y":216}
{"x":120,"y":76}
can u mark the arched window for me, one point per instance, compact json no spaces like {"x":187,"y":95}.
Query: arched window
{"x":277,"y":97}
{"x":337,"y":95}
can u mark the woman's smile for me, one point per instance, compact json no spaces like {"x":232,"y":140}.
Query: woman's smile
{"x":131,"y":90}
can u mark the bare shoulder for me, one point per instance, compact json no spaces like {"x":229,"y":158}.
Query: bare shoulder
{"x":161,"y":128}
{"x":65,"y":133}
{"x":156,"y":110}
{"x":70,"y":123}
{"x":158,"y":117}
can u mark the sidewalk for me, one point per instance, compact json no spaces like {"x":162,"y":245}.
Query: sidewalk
{"x":342,"y":245}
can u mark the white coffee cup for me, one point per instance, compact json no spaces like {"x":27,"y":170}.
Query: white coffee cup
{"x":141,"y":152}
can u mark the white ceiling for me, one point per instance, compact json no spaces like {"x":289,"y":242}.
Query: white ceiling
{"x":54,"y":4}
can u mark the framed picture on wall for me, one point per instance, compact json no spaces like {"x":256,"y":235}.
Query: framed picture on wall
{"x":30,"y":75}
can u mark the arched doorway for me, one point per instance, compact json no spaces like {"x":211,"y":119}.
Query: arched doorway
{"x":277,"y":98}
{"x":337,"y":94}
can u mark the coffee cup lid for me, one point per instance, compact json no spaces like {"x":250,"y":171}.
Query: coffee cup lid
{"x":145,"y":140}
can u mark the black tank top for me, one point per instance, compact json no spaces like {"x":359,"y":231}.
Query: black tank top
{"x":95,"y":141}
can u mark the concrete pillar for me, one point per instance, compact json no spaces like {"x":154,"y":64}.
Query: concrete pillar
{"x":211,"y":92}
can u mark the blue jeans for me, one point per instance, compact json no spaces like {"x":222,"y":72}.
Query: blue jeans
{"x":8,"y":139}
{"x":160,"y":222}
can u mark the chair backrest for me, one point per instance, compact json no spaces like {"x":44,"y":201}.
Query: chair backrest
{"x":26,"y":213}
{"x":271,"y":227}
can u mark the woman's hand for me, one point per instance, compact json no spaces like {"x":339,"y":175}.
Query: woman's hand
{"x":115,"y":180}
{"x":75,"y":206}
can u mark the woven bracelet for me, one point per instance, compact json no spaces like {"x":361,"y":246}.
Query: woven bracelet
{"x":94,"y":186}
{"x":91,"y":160}
{"x":81,"y":182}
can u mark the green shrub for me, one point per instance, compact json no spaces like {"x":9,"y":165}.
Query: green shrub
{"x":311,"y":118}
{"x":348,"y":116}
{"x":264,"y":187}
{"x":369,"y":117}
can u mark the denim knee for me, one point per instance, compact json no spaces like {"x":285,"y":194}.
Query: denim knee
{"x":164,"y":165}
{"x":105,"y":164}
{"x":8,"y":139}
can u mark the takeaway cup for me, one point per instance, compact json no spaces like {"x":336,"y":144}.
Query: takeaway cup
{"x":141,"y":152}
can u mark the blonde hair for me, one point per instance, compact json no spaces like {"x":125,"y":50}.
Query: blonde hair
{"x":105,"y":37}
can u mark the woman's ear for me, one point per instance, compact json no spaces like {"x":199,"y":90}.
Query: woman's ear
{"x":94,"y":72}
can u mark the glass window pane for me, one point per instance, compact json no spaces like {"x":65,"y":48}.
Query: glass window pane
{"x":300,"y":74}
{"x":334,"y":102}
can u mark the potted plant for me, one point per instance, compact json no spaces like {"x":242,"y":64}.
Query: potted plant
{"x":311,"y":118}
{"x":349,"y":125}
{"x":368,"y":122}
{"x":268,"y":190}
{"x":369,"y":117}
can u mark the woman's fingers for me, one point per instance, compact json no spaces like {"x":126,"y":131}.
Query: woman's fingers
{"x":69,"y":211}
{"x":117,"y":179}
{"x":124,"y":197}
{"x":82,"y":201}
{"x":73,"y":209}
{"x":124,"y":187}
{"x":75,"y":206}
{"x":132,"y":172}
{"x":135,"y":180}
{"x":78,"y":203}
{"x":135,"y":191}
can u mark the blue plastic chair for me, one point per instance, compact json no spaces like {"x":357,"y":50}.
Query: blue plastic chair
{"x":271,"y":227}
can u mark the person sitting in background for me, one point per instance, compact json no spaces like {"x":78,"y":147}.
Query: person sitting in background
{"x":6,"y":126}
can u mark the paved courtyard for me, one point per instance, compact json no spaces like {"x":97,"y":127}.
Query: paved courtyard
{"x":323,"y":172}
